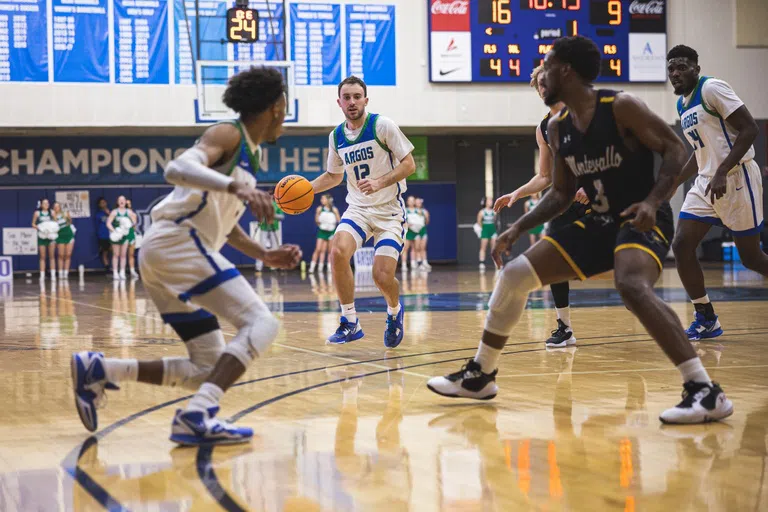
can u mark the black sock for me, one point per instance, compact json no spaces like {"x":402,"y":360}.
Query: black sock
{"x":560,"y":293}
{"x":706,"y":309}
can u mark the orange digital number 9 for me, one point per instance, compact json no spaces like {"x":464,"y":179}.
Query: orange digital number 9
{"x":614,"y":9}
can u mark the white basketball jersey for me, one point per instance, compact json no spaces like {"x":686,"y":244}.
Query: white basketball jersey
{"x":366,"y":157}
{"x":705,"y":127}
{"x":213,"y":215}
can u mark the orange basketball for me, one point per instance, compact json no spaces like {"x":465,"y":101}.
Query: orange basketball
{"x":294,"y":194}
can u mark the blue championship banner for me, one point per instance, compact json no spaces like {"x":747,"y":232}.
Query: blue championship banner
{"x":80,"y":41}
{"x":129,"y":161}
{"x":23,"y":41}
{"x":141,"y":41}
{"x":316,"y":43}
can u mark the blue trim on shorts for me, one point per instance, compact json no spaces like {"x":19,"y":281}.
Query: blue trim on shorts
{"x":195,"y":211}
{"x":746,"y":175}
{"x":357,"y":228}
{"x":388,"y":242}
{"x":706,"y":220}
{"x":199,"y":244}
{"x":179,"y":318}
{"x":749,"y":232}
{"x":402,"y":207}
{"x":210,"y":283}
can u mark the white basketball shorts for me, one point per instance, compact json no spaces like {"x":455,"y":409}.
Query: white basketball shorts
{"x":187,"y":281}
{"x":385,"y":223}
{"x":740,"y":209}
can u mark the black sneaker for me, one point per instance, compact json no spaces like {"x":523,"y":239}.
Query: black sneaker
{"x":469,"y":382}
{"x":701,"y":403}
{"x":562,"y":336}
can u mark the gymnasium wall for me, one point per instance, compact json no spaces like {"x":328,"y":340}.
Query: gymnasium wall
{"x":17,"y":206}
{"x":414,"y":102}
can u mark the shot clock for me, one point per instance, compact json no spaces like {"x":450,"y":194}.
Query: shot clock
{"x":503,"y":40}
{"x":242,"y":23}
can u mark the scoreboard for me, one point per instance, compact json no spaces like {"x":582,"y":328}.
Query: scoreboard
{"x":504,"y":40}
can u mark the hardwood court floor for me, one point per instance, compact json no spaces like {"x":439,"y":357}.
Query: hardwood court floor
{"x":354,"y":427}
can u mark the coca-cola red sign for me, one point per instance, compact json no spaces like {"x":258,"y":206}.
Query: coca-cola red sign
{"x":449,"y":15}
{"x":647,"y":16}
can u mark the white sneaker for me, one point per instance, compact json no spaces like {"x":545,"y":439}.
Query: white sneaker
{"x":468,"y":382}
{"x":115,"y":275}
{"x":122,"y":275}
{"x":134,"y":274}
{"x":482,"y":266}
{"x":426,"y":266}
{"x":42,"y":275}
{"x":53,"y":275}
{"x":701,"y":403}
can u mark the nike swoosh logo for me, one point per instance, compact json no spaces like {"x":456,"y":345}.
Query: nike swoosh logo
{"x":739,"y":188}
{"x":443,"y":73}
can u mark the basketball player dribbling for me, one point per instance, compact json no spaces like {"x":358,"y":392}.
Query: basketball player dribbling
{"x":728,"y":190}
{"x":189,"y":280}
{"x":603,"y":141}
{"x":376,"y":157}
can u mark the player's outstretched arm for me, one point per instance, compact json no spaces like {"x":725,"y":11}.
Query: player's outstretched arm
{"x":286,"y":256}
{"x":326,"y":181}
{"x":192,"y":168}
{"x":540,"y":181}
{"x":634,"y":116}
{"x":560,"y":196}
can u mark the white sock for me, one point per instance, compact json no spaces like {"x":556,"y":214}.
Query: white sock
{"x":701,"y":300}
{"x":487,"y":357}
{"x":119,"y":370}
{"x":564,"y":314}
{"x":692,"y":369}
{"x":312,"y":266}
{"x":348,"y":311}
{"x":206,"y":397}
{"x":393,"y":311}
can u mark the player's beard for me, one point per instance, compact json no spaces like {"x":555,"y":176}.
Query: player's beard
{"x":354,"y":117}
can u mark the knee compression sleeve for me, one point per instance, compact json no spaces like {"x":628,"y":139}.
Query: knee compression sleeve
{"x":256,"y":330}
{"x":509,"y":296}
{"x":205,"y":344}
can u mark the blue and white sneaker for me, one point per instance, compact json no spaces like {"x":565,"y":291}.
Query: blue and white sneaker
{"x":90,"y":382}
{"x":393,"y":334}
{"x":346,"y":332}
{"x":702,"y":329}
{"x":196,"y":428}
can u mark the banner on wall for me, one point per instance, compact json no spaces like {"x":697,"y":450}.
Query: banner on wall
{"x":76,"y":202}
{"x":316,"y":43}
{"x":371,"y":43}
{"x":19,"y":241}
{"x":420,"y":158}
{"x":23,"y":41}
{"x":93,"y":161}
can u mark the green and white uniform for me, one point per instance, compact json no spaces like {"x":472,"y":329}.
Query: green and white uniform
{"x":423,"y":232}
{"x":489,"y":224}
{"x":131,"y":237}
{"x":43,"y":217}
{"x":116,"y":224}
{"x":65,"y":230}
{"x":416,"y":223}
{"x":538,"y":229}
{"x":326,"y":223}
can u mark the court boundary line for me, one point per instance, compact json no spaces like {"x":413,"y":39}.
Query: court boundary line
{"x":90,"y":485}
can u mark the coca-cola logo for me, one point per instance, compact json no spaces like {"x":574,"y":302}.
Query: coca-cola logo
{"x":449,"y":15}
{"x":647,"y":7}
{"x":460,"y":7}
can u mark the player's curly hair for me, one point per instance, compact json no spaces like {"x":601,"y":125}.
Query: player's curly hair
{"x":253,"y":91}
{"x":685,"y":52}
{"x":581,"y":53}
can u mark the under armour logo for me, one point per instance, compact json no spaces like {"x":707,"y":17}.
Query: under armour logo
{"x":567,"y":139}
